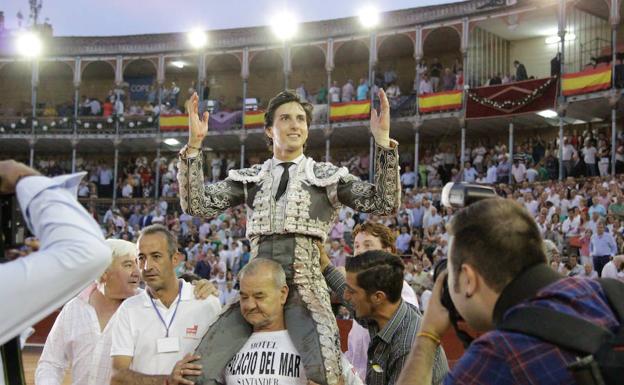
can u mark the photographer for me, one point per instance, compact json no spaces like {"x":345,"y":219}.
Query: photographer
{"x":72,"y":253}
{"x":495,"y":252}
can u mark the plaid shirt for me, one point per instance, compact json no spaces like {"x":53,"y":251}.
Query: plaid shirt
{"x":390,"y":346}
{"x":501,"y":357}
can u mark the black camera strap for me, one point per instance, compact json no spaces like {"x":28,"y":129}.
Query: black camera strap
{"x":526,"y":285}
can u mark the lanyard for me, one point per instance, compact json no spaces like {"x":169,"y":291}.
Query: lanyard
{"x":174,"y":311}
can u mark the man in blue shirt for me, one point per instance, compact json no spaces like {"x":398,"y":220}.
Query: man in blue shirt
{"x":602,"y":247}
{"x":495,"y":249}
{"x":362,"y":90}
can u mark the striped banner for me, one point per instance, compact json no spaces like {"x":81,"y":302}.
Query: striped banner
{"x":440,"y":101}
{"x":254,"y":119}
{"x":174,"y":122}
{"x":589,"y":80}
{"x":349,"y":111}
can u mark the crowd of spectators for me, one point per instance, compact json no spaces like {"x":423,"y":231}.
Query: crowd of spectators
{"x":569,"y":213}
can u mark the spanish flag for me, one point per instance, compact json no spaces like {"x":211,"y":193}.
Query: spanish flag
{"x":254,"y":119}
{"x":349,"y":111}
{"x":174,"y":122}
{"x":440,"y":101}
{"x":589,"y":80}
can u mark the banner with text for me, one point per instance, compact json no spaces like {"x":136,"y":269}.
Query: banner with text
{"x":139,"y":87}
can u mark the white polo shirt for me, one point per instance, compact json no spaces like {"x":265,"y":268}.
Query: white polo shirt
{"x":137,"y":328}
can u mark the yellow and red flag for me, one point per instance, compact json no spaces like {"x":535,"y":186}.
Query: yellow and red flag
{"x":589,"y":80}
{"x":174,"y":122}
{"x":254,"y":119}
{"x":440,"y":101}
{"x":357,"y":110}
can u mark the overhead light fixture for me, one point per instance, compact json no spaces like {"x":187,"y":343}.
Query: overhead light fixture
{"x":178,"y":63}
{"x":548,"y":114}
{"x":29,"y":44}
{"x":171,"y":141}
{"x":284,"y":25}
{"x":197,"y":38}
{"x":553,"y":39}
{"x":369,"y":17}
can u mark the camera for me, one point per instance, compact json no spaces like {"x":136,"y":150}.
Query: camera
{"x":458,"y":195}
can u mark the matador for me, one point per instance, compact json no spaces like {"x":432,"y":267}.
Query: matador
{"x":291,"y":202}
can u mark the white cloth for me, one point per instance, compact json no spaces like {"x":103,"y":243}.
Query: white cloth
{"x":77,"y":340}
{"x":72,"y":253}
{"x":271,"y":358}
{"x":137,"y":327}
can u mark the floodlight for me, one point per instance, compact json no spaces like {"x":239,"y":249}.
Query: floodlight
{"x":284,"y":26}
{"x":548,"y":114}
{"x":171,"y":141}
{"x":369,"y":17}
{"x":197,"y":38}
{"x":178,"y":63}
{"x":29,"y":44}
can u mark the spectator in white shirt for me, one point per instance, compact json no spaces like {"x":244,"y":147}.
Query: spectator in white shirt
{"x":228,"y":293}
{"x":153,"y":330}
{"x":568,"y":153}
{"x":491,"y":177}
{"x":425,"y":86}
{"x":589,"y":156}
{"x":408,"y":178}
{"x":614,"y":268}
{"x":80,"y":337}
{"x":334,"y":93}
{"x":518,"y":170}
{"x":470,"y":174}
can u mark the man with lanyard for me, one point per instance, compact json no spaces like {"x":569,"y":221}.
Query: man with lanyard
{"x":81,"y":335}
{"x":155,"y":329}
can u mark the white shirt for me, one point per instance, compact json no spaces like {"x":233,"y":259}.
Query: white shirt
{"x":491,"y":175}
{"x":610,"y":271}
{"x":137,"y":327}
{"x":470,"y":174}
{"x":271,"y":358}
{"x":72,"y":253}
{"x":277,"y":171}
{"x":226,"y":296}
{"x":126,"y":192}
{"x":518,"y":172}
{"x":408,"y":178}
{"x":76,"y":340}
{"x":568,"y":152}
{"x":589,"y":155}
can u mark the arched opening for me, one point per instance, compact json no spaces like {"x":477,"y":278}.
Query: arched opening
{"x":140,"y":76}
{"x":442,"y":53}
{"x":308,"y":69}
{"x":266,"y":76}
{"x":395,"y":55}
{"x":350,"y":62}
{"x":224,"y":82}
{"x":98,"y":80}
{"x":180,"y":80}
{"x":16,"y":77}
{"x":55,"y":94}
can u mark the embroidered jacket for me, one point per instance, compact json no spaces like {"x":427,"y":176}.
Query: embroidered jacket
{"x":315,"y":193}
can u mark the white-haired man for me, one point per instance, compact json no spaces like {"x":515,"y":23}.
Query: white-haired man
{"x":80,"y":338}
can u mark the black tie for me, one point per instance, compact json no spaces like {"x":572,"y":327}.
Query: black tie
{"x":281,"y":189}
